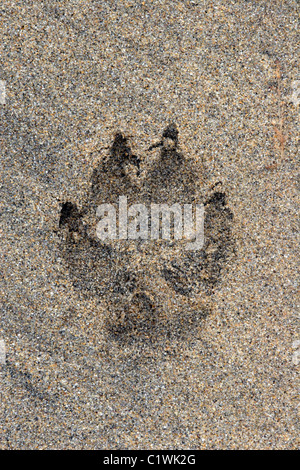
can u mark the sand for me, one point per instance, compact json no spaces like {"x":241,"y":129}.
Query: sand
{"x":73,"y":74}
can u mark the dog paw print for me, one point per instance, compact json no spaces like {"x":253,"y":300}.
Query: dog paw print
{"x":153,"y":288}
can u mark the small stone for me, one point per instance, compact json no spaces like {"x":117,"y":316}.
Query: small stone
{"x":2,"y":92}
{"x":2,"y":351}
{"x":296,"y":357}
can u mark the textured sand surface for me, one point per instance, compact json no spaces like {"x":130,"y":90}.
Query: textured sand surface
{"x":75,"y":74}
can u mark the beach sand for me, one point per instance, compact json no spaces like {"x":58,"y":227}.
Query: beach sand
{"x":73,"y":74}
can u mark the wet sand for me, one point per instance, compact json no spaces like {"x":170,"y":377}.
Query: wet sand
{"x":75,"y":74}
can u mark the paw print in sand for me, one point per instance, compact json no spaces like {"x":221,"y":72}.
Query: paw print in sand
{"x":152,"y":288}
